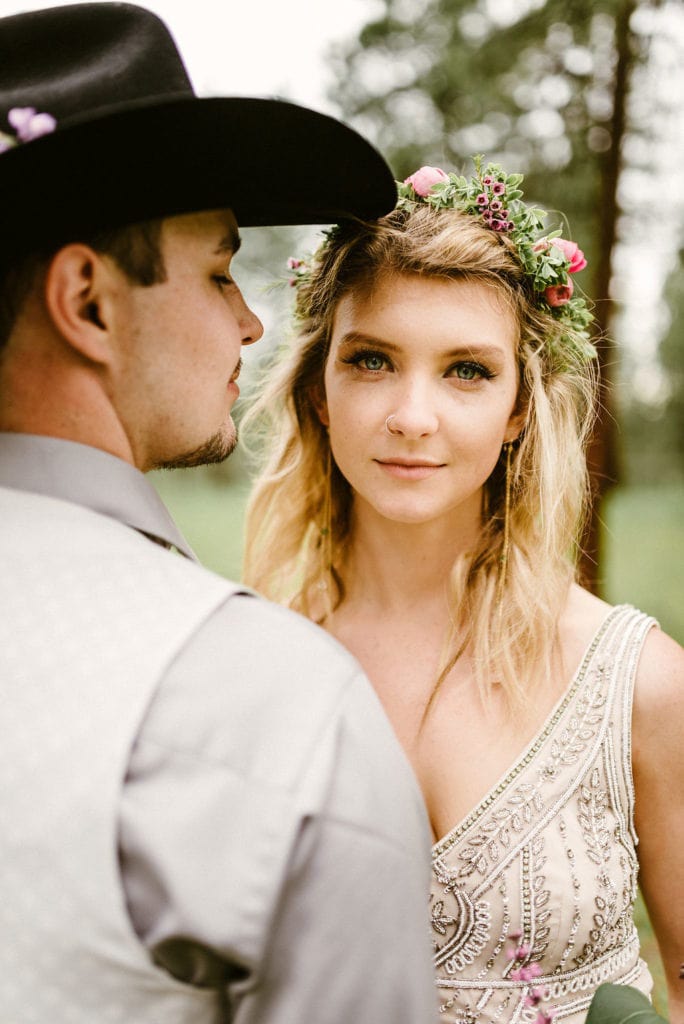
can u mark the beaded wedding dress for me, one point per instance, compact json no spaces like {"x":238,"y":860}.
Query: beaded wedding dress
{"x":550,"y":853}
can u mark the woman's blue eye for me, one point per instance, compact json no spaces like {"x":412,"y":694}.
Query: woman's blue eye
{"x":372,"y":362}
{"x":470,"y":371}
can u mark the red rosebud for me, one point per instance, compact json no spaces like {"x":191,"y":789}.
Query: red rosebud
{"x":559,"y":294}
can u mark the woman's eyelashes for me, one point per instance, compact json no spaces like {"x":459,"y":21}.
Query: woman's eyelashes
{"x":368,"y":360}
{"x":223,"y":280}
{"x":470,"y":371}
{"x":372,"y":362}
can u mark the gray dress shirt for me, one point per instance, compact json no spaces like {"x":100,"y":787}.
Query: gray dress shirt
{"x":346,"y":939}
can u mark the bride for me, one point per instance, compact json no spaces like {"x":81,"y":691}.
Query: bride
{"x":422,"y":499}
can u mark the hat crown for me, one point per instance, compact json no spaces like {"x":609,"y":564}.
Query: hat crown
{"x":73,"y":60}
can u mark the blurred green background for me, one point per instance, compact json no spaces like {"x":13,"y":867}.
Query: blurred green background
{"x":585,"y":98}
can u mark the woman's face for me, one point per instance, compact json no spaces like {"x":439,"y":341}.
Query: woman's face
{"x":439,"y":357}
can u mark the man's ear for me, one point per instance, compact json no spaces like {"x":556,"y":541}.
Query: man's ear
{"x":317,"y":395}
{"x":76,"y":298}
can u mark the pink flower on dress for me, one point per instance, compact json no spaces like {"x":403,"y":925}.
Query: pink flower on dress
{"x":528,"y":973}
{"x":559,"y":294}
{"x":546,"y":1016}
{"x":424,"y":178}
{"x":29,"y":124}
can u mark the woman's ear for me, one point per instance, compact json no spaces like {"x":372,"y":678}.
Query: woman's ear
{"x":75,"y":290}
{"x":318,"y":400}
{"x":516,"y":421}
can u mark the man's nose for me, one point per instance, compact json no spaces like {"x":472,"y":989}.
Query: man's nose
{"x":252,"y":327}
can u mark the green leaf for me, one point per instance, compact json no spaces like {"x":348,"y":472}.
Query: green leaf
{"x":619,"y":1004}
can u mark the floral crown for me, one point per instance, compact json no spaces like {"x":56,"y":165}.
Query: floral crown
{"x":496,"y":198}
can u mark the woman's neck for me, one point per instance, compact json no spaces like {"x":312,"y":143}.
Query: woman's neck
{"x":391,"y":565}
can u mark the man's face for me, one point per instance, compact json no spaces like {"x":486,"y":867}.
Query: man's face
{"x":179,"y":347}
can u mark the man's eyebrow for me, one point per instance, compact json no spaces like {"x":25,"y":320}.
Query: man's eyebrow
{"x":231,"y":242}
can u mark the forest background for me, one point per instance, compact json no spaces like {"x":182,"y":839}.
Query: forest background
{"x":582,"y":96}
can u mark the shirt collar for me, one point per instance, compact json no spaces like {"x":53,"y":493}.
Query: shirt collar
{"x":90,"y":477}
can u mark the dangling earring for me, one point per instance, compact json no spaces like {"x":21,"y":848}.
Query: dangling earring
{"x":325,"y":545}
{"x":505,"y":547}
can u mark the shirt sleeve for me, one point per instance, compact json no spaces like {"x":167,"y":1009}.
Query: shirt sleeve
{"x":273,"y":842}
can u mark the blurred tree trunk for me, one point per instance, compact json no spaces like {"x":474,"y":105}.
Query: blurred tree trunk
{"x":602,"y":455}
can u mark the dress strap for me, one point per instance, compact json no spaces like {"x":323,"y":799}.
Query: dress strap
{"x":622,"y":648}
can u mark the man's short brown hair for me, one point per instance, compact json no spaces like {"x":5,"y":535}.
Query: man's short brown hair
{"x":135,"y":249}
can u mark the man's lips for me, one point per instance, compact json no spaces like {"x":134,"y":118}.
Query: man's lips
{"x":236,"y":372}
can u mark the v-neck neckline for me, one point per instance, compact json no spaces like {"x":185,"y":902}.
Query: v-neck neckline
{"x":441,"y":845}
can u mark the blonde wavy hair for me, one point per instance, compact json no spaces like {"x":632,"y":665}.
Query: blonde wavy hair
{"x":504,"y":606}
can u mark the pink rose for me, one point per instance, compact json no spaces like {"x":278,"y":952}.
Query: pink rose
{"x":424,"y":178}
{"x":559,"y":294}
{"x":571,"y":251}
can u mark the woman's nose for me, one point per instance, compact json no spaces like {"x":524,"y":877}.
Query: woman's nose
{"x":415,"y":414}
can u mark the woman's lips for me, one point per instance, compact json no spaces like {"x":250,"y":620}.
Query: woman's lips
{"x":409,"y":470}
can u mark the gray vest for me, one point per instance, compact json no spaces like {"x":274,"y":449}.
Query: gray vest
{"x":91,"y":614}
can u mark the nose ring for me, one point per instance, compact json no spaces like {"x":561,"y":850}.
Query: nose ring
{"x":388,"y":428}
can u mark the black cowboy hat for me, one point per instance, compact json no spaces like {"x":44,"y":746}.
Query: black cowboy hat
{"x":132,"y":141}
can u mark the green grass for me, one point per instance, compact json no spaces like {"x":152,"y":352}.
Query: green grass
{"x":643,"y":565}
{"x":210,"y":514}
{"x":644,"y":552}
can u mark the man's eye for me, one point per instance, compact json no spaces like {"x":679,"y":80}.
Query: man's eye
{"x":223,"y":280}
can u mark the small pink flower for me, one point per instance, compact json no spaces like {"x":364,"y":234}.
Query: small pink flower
{"x":481,"y":200}
{"x":545,"y":1016}
{"x":559,"y":294}
{"x":526,"y":973}
{"x":487,"y":180}
{"x":496,"y":205}
{"x":29,"y":125}
{"x":424,"y":178}
{"x":536,"y":996}
{"x":498,"y":188}
{"x":293,"y":263}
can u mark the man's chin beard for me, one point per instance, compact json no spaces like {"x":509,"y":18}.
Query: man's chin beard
{"x":216,"y":449}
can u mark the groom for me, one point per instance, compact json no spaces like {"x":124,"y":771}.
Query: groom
{"x":204,"y":816}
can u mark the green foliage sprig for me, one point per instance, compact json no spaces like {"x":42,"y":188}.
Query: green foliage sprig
{"x":547,"y":259}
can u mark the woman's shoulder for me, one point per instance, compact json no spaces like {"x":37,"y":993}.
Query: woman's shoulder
{"x":659,"y":686}
{"x":580,"y":621}
{"x":660,"y":671}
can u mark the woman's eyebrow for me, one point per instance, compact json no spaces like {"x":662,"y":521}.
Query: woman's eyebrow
{"x":481,"y":349}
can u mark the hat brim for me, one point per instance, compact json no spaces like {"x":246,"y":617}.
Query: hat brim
{"x":270,"y":161}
